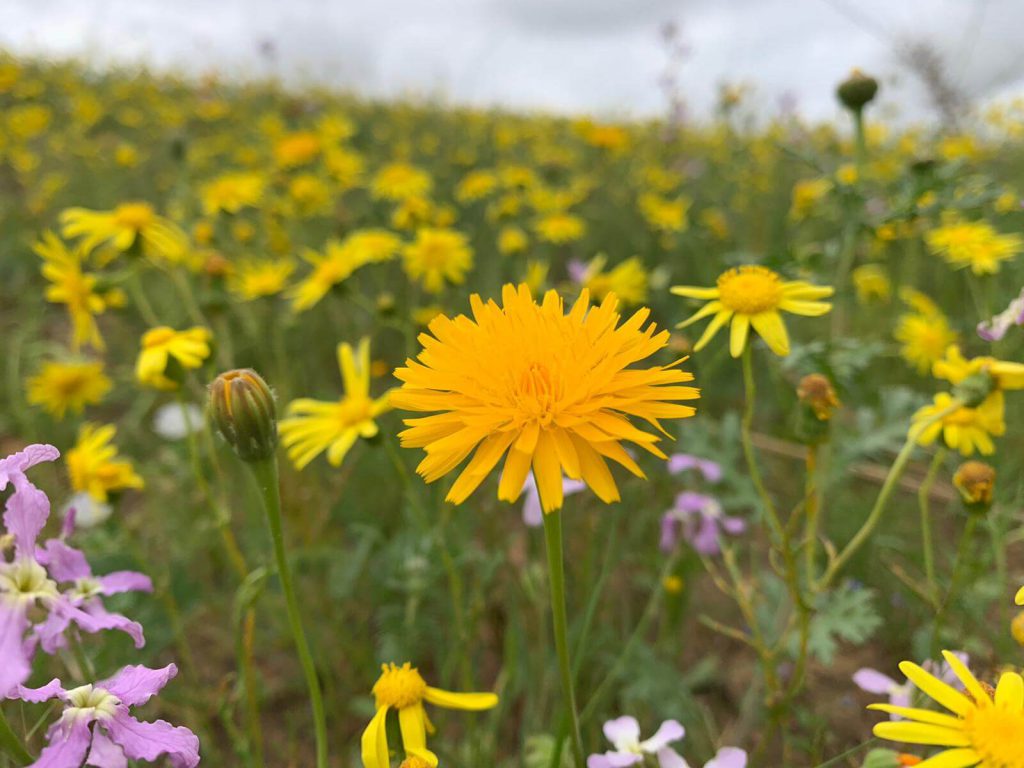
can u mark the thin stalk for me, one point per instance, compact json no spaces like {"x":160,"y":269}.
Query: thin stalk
{"x":962,"y":550}
{"x":811,"y":508}
{"x":924,"y":502}
{"x":11,"y":744}
{"x":252,"y":706}
{"x":266,"y":473}
{"x":134,"y":284}
{"x":556,"y":569}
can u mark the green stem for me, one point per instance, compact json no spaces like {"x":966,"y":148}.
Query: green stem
{"x":811,"y":506}
{"x":11,"y":744}
{"x":556,"y":568}
{"x":134,"y":284}
{"x":924,"y":502}
{"x":267,"y":478}
{"x":954,"y":582}
{"x":895,"y":472}
{"x":750,"y":394}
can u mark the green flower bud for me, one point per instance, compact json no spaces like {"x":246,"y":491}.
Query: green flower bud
{"x":242,"y":407}
{"x":973,"y":390}
{"x":857,"y":90}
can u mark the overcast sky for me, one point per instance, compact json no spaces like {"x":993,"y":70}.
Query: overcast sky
{"x":599,"y":56}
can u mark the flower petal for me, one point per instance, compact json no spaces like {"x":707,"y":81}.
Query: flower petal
{"x":738,"y":334}
{"x":148,"y":741}
{"x":770,"y":327}
{"x":135,"y":685}
{"x":943,"y":694}
{"x":466,"y":701}
{"x":375,"y":741}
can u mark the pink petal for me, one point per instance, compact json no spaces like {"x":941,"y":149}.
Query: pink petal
{"x":16,"y":666}
{"x":135,"y":685}
{"x":68,"y":745}
{"x":20,"y":462}
{"x":52,"y":690}
{"x":669,"y":758}
{"x":614,"y":760}
{"x":728,"y":757}
{"x":622,"y":731}
{"x":95,"y":618}
{"x":125,"y":581}
{"x":668,"y":732}
{"x":64,"y":563}
{"x":873,"y":681}
{"x":105,"y":753}
{"x":148,"y":741}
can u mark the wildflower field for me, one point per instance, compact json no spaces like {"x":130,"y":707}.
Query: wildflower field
{"x":343,"y":433}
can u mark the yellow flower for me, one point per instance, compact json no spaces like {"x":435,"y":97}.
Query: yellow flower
{"x":310,"y":194}
{"x":754,"y":296}
{"x":404,"y":690}
{"x":954,"y":368}
{"x":59,"y":387}
{"x":164,"y":347}
{"x":627,"y":280}
{"x":346,"y":167}
{"x":974,"y":244}
{"x":965,"y":429}
{"x":983,"y":731}
{"x":806,"y":196}
{"x":231,"y":192}
{"x":338,"y":261}
{"x":554,"y":390}
{"x":872,"y":284}
{"x":73,"y":288}
{"x":924,"y":334}
{"x":296,"y":149}
{"x":476,"y":185}
{"x":315,"y":426}
{"x":93,"y":466}
{"x":715,"y":222}
{"x":664,"y":214}
{"x":1020,"y":597}
{"x":399,"y":181}
{"x":560,"y":228}
{"x":253,"y":278}
{"x":846,"y":174}
{"x":437,"y":255}
{"x":124,"y":227}
{"x":512,"y":239}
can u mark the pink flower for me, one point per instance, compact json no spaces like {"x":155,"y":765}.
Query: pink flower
{"x":996,"y":328}
{"x":97,"y":726}
{"x":624,"y":734}
{"x":700,"y":520}
{"x":533,"y":515}
{"x":680,"y":462}
{"x":901,"y":695}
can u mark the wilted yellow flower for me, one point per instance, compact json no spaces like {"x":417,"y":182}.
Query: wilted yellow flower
{"x":965,"y":429}
{"x":437,"y":255}
{"x":164,"y":348}
{"x":664,"y":214}
{"x":93,"y":465}
{"x":315,"y":426}
{"x":399,"y":181}
{"x":63,"y":386}
{"x":627,"y":280}
{"x":550,"y":389}
{"x":255,"y":278}
{"x":871,"y":284}
{"x":560,"y":228}
{"x":976,"y":482}
{"x":124,"y":227}
{"x":231,"y":192}
{"x":753,"y":296}
{"x":973,"y":244}
{"x":806,"y":196}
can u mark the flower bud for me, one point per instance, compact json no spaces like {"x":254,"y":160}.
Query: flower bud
{"x":857,"y":90}
{"x":242,"y":408}
{"x":975,"y":480}
{"x":973,"y":390}
{"x":818,"y":401}
{"x":1017,"y":628}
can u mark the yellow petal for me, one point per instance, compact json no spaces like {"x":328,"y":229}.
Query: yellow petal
{"x":375,"y":741}
{"x":738,"y":334}
{"x":717,"y":322}
{"x":979,"y":694}
{"x":919,"y":715}
{"x":413,"y":723}
{"x":943,"y":694}
{"x":1020,"y":597}
{"x":708,"y":309}
{"x":806,"y":308}
{"x":1010,"y":692}
{"x":771,"y":328}
{"x":694,"y":292}
{"x":952,"y":758}
{"x":922,"y":733}
{"x":466,"y":701}
{"x":513,"y":476}
{"x":547,"y":471}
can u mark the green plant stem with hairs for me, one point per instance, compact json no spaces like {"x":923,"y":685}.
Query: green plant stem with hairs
{"x":266,"y":473}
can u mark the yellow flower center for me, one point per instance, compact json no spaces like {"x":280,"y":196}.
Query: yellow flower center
{"x":399,"y":687}
{"x":539,"y":391}
{"x":26,"y":580}
{"x":354,"y":410}
{"x":135,"y":216}
{"x":995,"y":734}
{"x":749,"y":290}
{"x":87,"y":700}
{"x":414,"y":762}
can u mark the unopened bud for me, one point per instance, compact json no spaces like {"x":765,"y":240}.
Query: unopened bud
{"x":816,"y":391}
{"x":857,"y":90}
{"x":243,"y":410}
{"x":976,"y":481}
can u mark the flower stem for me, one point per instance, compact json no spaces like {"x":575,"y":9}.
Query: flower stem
{"x":812,"y":511}
{"x":553,"y":540}
{"x":11,"y":744}
{"x":139,"y":297}
{"x":267,"y":478}
{"x":924,"y":502}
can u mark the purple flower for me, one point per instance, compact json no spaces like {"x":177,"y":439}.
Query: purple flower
{"x":624,"y":734}
{"x":699,"y":519}
{"x":533,"y":515}
{"x":97,"y":726}
{"x":996,"y":328}
{"x":680,"y":462}
{"x":31,"y":579}
{"x":900,"y":695}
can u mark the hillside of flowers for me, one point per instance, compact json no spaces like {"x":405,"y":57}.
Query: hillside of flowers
{"x":397,"y":435}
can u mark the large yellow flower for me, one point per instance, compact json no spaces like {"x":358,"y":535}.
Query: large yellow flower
{"x":551,"y":389}
{"x":403,"y":689}
{"x":315,"y":426}
{"x":982,"y":731}
{"x":93,"y":465}
{"x":123,"y":227}
{"x":60,"y":387}
{"x":974,"y":244}
{"x":965,"y":429}
{"x":437,"y":255}
{"x":753,"y":296}
{"x":76,"y":289}
{"x":163,"y":347}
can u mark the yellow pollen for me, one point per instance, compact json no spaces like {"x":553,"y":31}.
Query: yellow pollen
{"x":749,"y":290}
{"x":399,"y":687}
{"x":135,"y":216}
{"x":995,"y":734}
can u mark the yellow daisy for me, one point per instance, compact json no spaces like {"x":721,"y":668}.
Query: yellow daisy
{"x":163,"y":348}
{"x":124,"y":227}
{"x":924,"y":333}
{"x":338,"y":261}
{"x":60,"y":387}
{"x":404,"y":690}
{"x":93,"y":465}
{"x":399,"y":181}
{"x":965,"y":429}
{"x":315,"y":426}
{"x":982,"y":731}
{"x":253,"y":279}
{"x":553,"y":390}
{"x":437,"y":255}
{"x":974,"y":244}
{"x":231,"y":192}
{"x":560,"y":228}
{"x":753,"y":296}
{"x":954,"y":368}
{"x":627,"y":280}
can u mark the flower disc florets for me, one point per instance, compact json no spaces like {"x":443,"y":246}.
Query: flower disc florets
{"x":750,"y":289}
{"x":399,"y":687}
